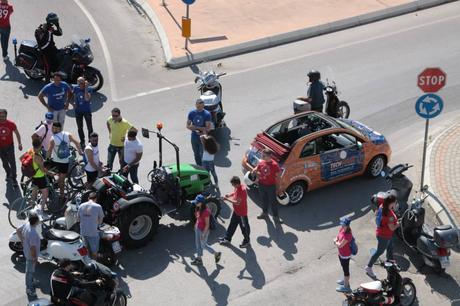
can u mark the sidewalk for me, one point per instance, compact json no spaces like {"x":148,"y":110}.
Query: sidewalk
{"x":224,"y":28}
{"x":443,"y":172}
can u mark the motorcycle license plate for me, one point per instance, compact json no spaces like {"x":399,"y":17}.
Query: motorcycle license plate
{"x":116,"y":247}
{"x":445,"y":262}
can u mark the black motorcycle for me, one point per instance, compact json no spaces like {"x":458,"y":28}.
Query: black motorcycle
{"x":390,"y":291}
{"x":74,"y":61}
{"x":334,"y":106}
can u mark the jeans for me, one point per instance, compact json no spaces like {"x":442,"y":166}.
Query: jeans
{"x":9,"y":161}
{"x":197,"y":148}
{"x":30,"y":270}
{"x":268,"y":196}
{"x":132,"y":173}
{"x":209,"y":166}
{"x":59,"y":116}
{"x":201,"y":243}
{"x":383,"y":244}
{"x":4,"y":39}
{"x":89,"y":125}
{"x":243,"y":222}
{"x":92,"y":243}
{"x":112,"y":151}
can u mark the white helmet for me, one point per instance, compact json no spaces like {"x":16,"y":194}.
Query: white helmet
{"x":249,"y":179}
{"x":283,"y":199}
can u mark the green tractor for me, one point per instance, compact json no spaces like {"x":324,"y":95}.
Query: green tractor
{"x":175,"y":186}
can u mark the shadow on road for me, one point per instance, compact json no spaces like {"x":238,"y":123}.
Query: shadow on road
{"x":97,"y":102}
{"x":28,"y":87}
{"x":11,"y":194}
{"x":251,"y":266}
{"x":286,"y":241}
{"x":223,"y":137}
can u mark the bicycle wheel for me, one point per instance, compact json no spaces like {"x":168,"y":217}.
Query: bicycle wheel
{"x":19,"y":211}
{"x":76,"y":175}
{"x":55,"y":205}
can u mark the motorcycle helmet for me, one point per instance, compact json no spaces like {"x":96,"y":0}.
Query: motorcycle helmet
{"x":314,"y":75}
{"x":52,"y":18}
{"x":283,"y":199}
{"x":249,"y":178}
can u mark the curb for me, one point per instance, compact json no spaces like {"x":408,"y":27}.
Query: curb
{"x":271,"y":41}
{"x":442,"y":212}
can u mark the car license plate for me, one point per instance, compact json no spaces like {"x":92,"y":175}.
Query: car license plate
{"x":116,"y":247}
{"x":444,"y":260}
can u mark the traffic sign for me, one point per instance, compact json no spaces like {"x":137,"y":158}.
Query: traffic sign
{"x":429,"y":106}
{"x":188,"y":2}
{"x":431,"y":79}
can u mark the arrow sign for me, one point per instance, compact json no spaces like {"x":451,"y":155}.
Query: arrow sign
{"x":429,"y":106}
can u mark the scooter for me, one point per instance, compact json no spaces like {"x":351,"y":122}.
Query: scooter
{"x":108,"y":294}
{"x":389,"y":291}
{"x":211,"y":94}
{"x":56,"y":245}
{"x":334,"y":106}
{"x":110,"y":235}
{"x":433,"y":245}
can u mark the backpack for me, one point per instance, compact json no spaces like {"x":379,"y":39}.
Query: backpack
{"x":353,"y":247}
{"x":63,"y":150}
{"x":27,"y":164}
{"x":46,"y":130}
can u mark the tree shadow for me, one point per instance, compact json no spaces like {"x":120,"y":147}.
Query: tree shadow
{"x":286,"y":241}
{"x":252,"y":267}
{"x":97,"y":102}
{"x":28,"y":87}
{"x":223,"y":137}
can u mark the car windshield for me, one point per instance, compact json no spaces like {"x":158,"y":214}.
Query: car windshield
{"x":348,"y":126}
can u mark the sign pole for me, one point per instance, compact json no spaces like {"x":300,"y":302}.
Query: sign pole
{"x":425,"y":144}
{"x":187,"y":16}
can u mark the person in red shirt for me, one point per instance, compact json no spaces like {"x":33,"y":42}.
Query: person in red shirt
{"x":387,"y":223}
{"x":239,"y":200}
{"x":202,"y":215}
{"x":342,"y":242}
{"x":6,"y":10}
{"x":268,"y":174}
{"x":7,"y":128}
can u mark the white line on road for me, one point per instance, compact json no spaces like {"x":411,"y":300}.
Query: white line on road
{"x":105,"y":49}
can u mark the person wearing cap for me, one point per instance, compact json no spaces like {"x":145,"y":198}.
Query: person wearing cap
{"x":315,"y":90}
{"x":342,"y":242}
{"x":30,"y":240}
{"x":202,"y":216}
{"x":90,"y":216}
{"x":58,"y":94}
{"x":199,"y":122}
{"x":82,"y":105}
{"x":44,"y":132}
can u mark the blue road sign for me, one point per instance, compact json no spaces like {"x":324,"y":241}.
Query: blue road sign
{"x":188,"y":2}
{"x":429,"y":106}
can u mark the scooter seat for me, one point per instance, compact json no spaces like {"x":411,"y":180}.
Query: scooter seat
{"x":67,"y":236}
{"x":372,"y":287}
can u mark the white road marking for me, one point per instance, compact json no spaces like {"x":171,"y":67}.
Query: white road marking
{"x":105,"y":49}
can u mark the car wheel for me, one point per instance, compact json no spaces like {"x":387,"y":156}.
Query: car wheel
{"x":214,"y":206}
{"x":375,"y":166}
{"x":296,"y":192}
{"x":139,"y":226}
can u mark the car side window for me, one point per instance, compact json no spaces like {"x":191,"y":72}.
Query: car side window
{"x":338,"y":141}
{"x":312,"y":148}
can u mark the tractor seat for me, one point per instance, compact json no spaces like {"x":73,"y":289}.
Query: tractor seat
{"x":61,"y":235}
{"x":372,"y":287}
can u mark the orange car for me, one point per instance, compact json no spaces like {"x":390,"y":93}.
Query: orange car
{"x":315,"y":150}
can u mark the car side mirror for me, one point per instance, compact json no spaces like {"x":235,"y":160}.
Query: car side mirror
{"x":359,"y":145}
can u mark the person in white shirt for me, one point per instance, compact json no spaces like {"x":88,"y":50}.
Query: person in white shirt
{"x":93,"y":165}
{"x":44,"y":132}
{"x":132,"y":154}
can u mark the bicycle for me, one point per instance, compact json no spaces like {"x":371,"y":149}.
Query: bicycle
{"x":76,"y":171}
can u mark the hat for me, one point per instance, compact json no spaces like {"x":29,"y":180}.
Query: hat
{"x":345,"y":221}
{"x":49,"y":116}
{"x":199,"y":199}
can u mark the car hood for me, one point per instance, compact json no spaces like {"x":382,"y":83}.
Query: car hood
{"x":374,"y":136}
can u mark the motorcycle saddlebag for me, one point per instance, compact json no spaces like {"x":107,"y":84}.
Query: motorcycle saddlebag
{"x":26,"y":61}
{"x":445,"y":236}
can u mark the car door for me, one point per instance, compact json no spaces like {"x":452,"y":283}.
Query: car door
{"x":342,"y":155}
{"x":304,"y":163}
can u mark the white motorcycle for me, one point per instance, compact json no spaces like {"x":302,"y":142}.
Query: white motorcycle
{"x":56,"y":245}
{"x":211,"y":94}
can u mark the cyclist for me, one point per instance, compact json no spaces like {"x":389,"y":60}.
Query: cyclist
{"x":39,"y":178}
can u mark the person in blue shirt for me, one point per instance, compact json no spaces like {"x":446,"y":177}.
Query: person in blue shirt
{"x":58,"y":94}
{"x":199,"y":122}
{"x":82,"y":105}
{"x":315,"y":90}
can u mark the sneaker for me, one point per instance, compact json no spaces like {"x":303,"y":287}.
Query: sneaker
{"x":197,"y":262}
{"x":244,"y":245}
{"x":370,"y":273}
{"x":262,"y":216}
{"x":342,"y":288}
{"x":278,"y":220}
{"x":217,"y":256}
{"x":340,"y":282}
{"x":224,"y":241}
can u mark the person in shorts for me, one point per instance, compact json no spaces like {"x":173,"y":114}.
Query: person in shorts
{"x":44,"y":132}
{"x":39,"y":180}
{"x":90,"y":216}
{"x":59,"y":155}
{"x":94,"y":165}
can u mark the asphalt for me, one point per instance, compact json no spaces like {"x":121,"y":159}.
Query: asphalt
{"x":221,"y":29}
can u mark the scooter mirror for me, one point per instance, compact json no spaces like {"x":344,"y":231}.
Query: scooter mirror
{"x":145,"y":133}
{"x":155,"y":164}
{"x":196,"y":79}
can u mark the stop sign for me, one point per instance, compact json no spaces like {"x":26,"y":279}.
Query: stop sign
{"x":431,"y":79}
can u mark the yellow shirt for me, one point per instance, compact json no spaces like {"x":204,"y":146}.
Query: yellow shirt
{"x":38,"y":172}
{"x":118,"y":131}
